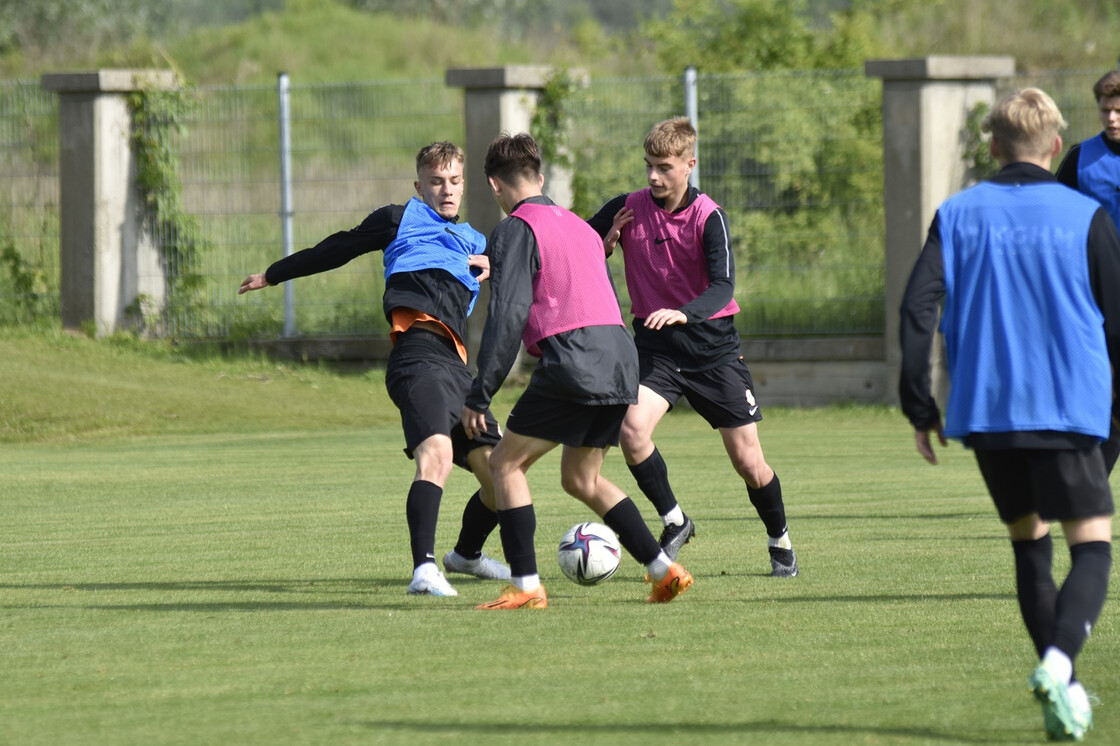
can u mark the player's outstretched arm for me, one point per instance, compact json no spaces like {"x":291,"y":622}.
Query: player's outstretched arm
{"x":253,"y":282}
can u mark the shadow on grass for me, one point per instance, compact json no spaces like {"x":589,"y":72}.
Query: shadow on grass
{"x":295,"y":587}
{"x":374,"y":587}
{"x":687,"y":730}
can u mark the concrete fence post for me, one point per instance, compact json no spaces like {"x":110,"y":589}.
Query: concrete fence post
{"x":926,"y":103}
{"x":107,"y":259}
{"x":498,"y":99}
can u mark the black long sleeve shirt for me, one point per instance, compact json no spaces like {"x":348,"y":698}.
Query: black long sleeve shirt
{"x":589,"y":365}
{"x":432,"y":291}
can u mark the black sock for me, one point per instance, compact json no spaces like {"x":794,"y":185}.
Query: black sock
{"x":478,"y":523}
{"x":652,"y":477}
{"x":767,"y":500}
{"x":1082,"y":595}
{"x":422,"y":512}
{"x":518,"y":526}
{"x":633,"y":533}
{"x":1038,"y":594}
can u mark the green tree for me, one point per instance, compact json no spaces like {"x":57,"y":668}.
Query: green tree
{"x":804,"y":210}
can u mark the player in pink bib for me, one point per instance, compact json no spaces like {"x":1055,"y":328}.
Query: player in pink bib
{"x":680,"y":271}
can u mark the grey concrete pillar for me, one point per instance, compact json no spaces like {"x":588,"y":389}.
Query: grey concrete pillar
{"x":926,"y":103}
{"x":498,"y":99}
{"x":107,"y":260}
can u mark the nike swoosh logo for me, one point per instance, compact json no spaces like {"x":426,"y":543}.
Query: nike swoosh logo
{"x":660,"y":240}
{"x":752,"y":410}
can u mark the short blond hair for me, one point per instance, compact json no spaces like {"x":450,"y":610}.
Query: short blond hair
{"x":1024,"y":123}
{"x":674,"y":137}
{"x":438,"y":154}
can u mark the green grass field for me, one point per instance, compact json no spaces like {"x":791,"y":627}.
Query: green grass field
{"x":206,"y":551}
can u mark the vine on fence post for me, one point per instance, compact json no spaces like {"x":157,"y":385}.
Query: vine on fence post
{"x":550,"y":127}
{"x":157,"y":119}
{"x":977,"y":153}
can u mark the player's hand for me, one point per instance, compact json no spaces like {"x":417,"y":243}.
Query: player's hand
{"x":481,"y":262}
{"x":474,"y":422}
{"x":925,"y":447}
{"x":252,"y":282}
{"x":665,"y":317}
{"x":621,"y":218}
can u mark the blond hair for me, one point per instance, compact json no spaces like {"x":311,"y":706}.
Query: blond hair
{"x":1024,"y":123}
{"x":438,"y":154}
{"x":674,"y":137}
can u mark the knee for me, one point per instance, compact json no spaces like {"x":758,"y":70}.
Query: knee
{"x":575,"y":485}
{"x":754,"y":471}
{"x":635,"y":441}
{"x":434,"y":461}
{"x":501,"y":465}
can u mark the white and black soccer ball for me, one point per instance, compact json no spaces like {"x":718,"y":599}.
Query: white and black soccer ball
{"x":589,"y":553}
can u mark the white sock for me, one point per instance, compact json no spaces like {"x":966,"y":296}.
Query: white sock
{"x":526,"y":582}
{"x":782,"y":542}
{"x":659,"y":567}
{"x":674,"y":517}
{"x":1058,"y":664}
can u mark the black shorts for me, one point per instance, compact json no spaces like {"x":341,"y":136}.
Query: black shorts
{"x":567,"y":423}
{"x":1059,"y":485}
{"x":428,"y":382}
{"x":724,"y":395}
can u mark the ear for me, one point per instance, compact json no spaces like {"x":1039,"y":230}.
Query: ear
{"x":540,"y":181}
{"x":416,"y":186}
{"x":495,"y":185}
{"x":993,"y":147}
{"x":1057,"y":146}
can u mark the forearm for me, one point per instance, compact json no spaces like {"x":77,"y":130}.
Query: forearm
{"x":918,"y":320}
{"x":720,"y":260}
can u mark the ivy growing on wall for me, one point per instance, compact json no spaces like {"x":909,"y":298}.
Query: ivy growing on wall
{"x":550,"y":126}
{"x":157,"y":118}
{"x":977,"y":153}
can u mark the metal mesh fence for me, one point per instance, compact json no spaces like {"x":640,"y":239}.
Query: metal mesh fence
{"x":794,"y":158}
{"x":352,"y":150}
{"x":799,"y":175}
{"x":29,"y":197}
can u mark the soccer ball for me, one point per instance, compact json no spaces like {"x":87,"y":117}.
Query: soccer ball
{"x":589,"y":553}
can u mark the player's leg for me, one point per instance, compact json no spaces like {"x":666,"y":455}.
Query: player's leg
{"x":480,"y":516}
{"x":645,"y":461}
{"x":509,"y":463}
{"x":581,"y":477}
{"x":1008,"y":477}
{"x":764,"y":490}
{"x":1070,"y":486}
{"x":1035,"y":588}
{"x":1083,"y":595}
{"x":423,"y":380}
{"x":1067,"y":712}
{"x":433,"y":466}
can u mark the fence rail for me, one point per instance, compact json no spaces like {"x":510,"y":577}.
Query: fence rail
{"x":799,"y":174}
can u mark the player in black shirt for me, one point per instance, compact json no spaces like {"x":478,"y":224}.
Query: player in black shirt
{"x":433,"y":265}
